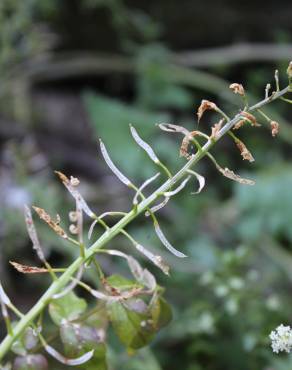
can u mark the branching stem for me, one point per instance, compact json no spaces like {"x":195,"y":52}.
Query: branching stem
{"x":62,"y":280}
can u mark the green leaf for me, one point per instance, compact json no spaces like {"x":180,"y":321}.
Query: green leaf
{"x":122,"y":283}
{"x":98,"y":361}
{"x":161,"y":313}
{"x":76,"y":336}
{"x":68,"y":307}
{"x":134,"y":329}
{"x":25,"y":342}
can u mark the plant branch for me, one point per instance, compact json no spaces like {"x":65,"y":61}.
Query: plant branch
{"x":110,"y":233}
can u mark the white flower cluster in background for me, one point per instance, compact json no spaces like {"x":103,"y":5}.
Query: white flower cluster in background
{"x":281,"y":339}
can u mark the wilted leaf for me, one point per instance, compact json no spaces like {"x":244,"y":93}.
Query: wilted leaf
{"x":68,"y":308}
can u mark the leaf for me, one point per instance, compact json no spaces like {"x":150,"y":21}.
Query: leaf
{"x":161,"y":312}
{"x":120,"y":282}
{"x":77,"y":336}
{"x":134,"y":329}
{"x":26,"y":342}
{"x":68,"y":308}
{"x":98,"y":361}
{"x":30,"y":362}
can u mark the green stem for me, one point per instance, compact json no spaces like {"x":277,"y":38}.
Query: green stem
{"x":109,"y":234}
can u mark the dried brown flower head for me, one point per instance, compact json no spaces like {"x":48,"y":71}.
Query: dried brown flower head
{"x":216,"y":128}
{"x":274,"y":128}
{"x":250,"y":118}
{"x":237,"y":89}
{"x":205,"y":105}
{"x":239,"y":124}
{"x":245,"y":153}
{"x":183,"y":152}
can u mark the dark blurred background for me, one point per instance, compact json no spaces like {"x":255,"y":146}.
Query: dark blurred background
{"x":73,"y":71}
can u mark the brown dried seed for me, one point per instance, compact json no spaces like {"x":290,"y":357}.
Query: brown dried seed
{"x":245,"y":153}
{"x":274,"y":128}
{"x":237,"y":89}
{"x":205,"y":105}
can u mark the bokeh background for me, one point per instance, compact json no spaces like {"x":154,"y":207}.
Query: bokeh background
{"x":73,"y":71}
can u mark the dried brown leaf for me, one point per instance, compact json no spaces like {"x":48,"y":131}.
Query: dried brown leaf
{"x":53,"y":224}
{"x":28,"y":269}
{"x":232,"y":176}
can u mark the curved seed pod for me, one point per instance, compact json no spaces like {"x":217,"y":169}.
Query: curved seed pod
{"x":157,"y":260}
{"x":71,"y":186}
{"x":4,"y":300}
{"x":72,"y":285}
{"x":3,"y":296}
{"x":143,"y":186}
{"x":167,"y":197}
{"x":230,"y":174}
{"x":157,"y":207}
{"x":201,"y":180}
{"x":166,"y":243}
{"x":169,"y":127}
{"x":67,"y":361}
{"x":112,"y":166}
{"x":33,"y":234}
{"x":178,"y":189}
{"x":90,"y":231}
{"x":144,"y":145}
